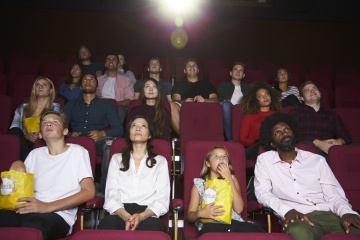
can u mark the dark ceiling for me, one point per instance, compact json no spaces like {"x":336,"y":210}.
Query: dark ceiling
{"x":303,"y":10}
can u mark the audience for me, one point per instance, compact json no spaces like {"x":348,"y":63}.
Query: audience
{"x":299,"y":186}
{"x":27,"y":116}
{"x":289,"y":94}
{"x":115,"y":86}
{"x":85,"y":61}
{"x":63,"y":181}
{"x":230,"y":94}
{"x":96,"y":118}
{"x":71,"y":88}
{"x":259,"y":102}
{"x":138,"y":185}
{"x":217,"y":164}
{"x":318,"y":125}
{"x":154,"y":109}
{"x":123,"y":69}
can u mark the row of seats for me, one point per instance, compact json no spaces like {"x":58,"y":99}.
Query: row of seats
{"x":341,"y":96}
{"x":342,"y":160}
{"x":140,"y":62}
{"x":197,"y":120}
{"x":33,"y":234}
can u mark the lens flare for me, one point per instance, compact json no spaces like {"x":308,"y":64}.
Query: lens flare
{"x":179,"y":38}
{"x":179,"y":21}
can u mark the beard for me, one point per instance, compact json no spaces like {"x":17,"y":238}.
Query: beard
{"x":286,"y":144}
{"x":89,"y":90}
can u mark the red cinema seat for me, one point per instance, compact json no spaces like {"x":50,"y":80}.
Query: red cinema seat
{"x":15,"y":233}
{"x":350,"y":117}
{"x":90,"y":234}
{"x":344,"y":162}
{"x":195,"y":155}
{"x":244,"y":236}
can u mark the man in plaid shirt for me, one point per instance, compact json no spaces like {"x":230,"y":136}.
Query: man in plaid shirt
{"x":320,"y":126}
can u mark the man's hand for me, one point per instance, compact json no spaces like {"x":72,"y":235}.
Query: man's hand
{"x":74,"y":134}
{"x":324,"y":145}
{"x":189,"y":100}
{"x":348,"y":219}
{"x":96,"y":135}
{"x":292,"y":215}
{"x":31,"y":205}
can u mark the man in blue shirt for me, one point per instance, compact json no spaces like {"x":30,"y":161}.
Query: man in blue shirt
{"x":94,"y":117}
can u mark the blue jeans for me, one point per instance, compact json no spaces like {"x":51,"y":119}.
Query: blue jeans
{"x":227,"y":110}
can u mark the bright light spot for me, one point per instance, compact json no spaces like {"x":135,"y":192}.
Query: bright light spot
{"x":179,"y":38}
{"x":179,"y":21}
{"x":178,"y":5}
{"x":183,"y":7}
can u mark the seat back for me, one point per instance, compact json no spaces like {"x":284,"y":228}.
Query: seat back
{"x":344,"y":162}
{"x":6,"y":113}
{"x":340,"y":237}
{"x":12,"y":233}
{"x":200,"y":121}
{"x":90,"y":234}
{"x":350,"y":117}
{"x":161,"y":147}
{"x":236,"y":117}
{"x":346,"y":97}
{"x":244,"y":236}
{"x":195,"y":155}
{"x":9,"y":151}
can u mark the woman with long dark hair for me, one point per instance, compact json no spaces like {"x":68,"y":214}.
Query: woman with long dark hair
{"x":70,"y":89}
{"x":137,"y":186}
{"x":153,"y":107}
{"x":289,"y":94}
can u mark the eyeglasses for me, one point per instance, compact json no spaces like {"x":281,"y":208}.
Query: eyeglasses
{"x":223,"y":157}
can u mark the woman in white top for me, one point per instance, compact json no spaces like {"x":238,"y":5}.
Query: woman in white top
{"x":137,"y":186}
{"x":289,"y":94}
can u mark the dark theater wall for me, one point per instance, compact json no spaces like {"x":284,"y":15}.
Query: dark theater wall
{"x":39,"y":30}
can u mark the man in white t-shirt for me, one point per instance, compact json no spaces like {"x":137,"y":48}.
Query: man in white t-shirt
{"x":62,"y":181}
{"x":230,"y":94}
{"x":115,"y":86}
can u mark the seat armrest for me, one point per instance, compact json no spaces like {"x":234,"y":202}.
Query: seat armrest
{"x":177,"y":204}
{"x":97,"y":202}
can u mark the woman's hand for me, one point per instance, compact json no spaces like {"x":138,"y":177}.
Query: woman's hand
{"x":211,"y":211}
{"x":32,"y":136}
{"x":132,"y":223}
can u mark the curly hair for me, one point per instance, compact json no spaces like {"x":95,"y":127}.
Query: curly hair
{"x":249,"y":103}
{"x":150,"y":161}
{"x":269,"y":122}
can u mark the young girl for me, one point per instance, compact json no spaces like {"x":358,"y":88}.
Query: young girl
{"x":217,"y":164}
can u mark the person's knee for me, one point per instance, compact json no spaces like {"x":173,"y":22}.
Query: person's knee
{"x":299,"y":230}
{"x":39,"y":224}
{"x":227,"y":106}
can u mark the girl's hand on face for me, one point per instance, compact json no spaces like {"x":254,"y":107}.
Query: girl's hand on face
{"x":224,"y":170}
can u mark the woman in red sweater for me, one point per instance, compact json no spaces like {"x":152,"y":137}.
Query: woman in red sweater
{"x":259,"y":102}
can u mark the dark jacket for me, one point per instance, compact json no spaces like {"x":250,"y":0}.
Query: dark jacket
{"x":226,"y":89}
